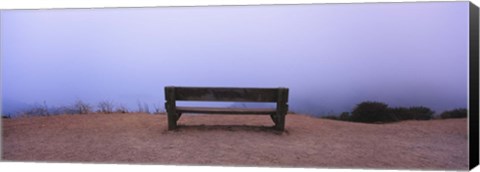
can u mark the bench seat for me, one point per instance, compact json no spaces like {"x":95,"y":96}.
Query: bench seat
{"x":209,"y":110}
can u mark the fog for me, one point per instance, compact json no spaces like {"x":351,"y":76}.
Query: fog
{"x":330,"y":56}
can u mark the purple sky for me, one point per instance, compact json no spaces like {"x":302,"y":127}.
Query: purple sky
{"x":331,"y":56}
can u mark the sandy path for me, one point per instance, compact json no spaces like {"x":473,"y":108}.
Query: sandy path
{"x":237,"y":140}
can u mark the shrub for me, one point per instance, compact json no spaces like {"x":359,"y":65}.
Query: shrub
{"x":105,"y":107}
{"x":37,"y":109}
{"x":330,"y":117}
{"x":345,"y":116}
{"x":421,"y":113}
{"x":455,"y":113}
{"x":121,"y":109}
{"x":412,"y":113}
{"x":64,"y":110}
{"x":82,"y":108}
{"x":157,"y":109}
{"x":401,"y":113}
{"x":143,"y":108}
{"x":377,"y":112}
{"x":372,"y":112}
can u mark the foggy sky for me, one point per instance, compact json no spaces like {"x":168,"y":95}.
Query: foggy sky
{"x":330,"y":56}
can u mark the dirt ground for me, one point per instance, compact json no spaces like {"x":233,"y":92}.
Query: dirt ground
{"x":237,"y":140}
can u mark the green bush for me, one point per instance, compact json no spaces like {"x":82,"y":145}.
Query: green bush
{"x":378,"y":112}
{"x":455,"y":113}
{"x":345,"y":116}
{"x":330,"y":117}
{"x":421,"y":113}
{"x":402,"y":113}
{"x":372,"y":112}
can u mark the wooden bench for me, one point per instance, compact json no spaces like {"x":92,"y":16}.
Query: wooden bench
{"x":226,"y":94}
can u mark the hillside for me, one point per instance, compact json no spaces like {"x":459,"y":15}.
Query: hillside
{"x":237,"y":141}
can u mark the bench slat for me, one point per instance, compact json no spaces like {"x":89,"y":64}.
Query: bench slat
{"x":226,"y":94}
{"x":209,"y":110}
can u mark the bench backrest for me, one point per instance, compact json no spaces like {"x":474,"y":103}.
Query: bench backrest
{"x":278,"y":95}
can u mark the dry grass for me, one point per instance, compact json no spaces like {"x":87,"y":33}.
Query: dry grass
{"x":237,"y":141}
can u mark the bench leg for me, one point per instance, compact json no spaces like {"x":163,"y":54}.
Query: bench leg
{"x":172,"y":121}
{"x":178,"y":115}
{"x":274,"y":118}
{"x":280,"y":125}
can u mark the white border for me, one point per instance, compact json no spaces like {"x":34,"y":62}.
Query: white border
{"x":50,"y":4}
{"x":54,"y":4}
